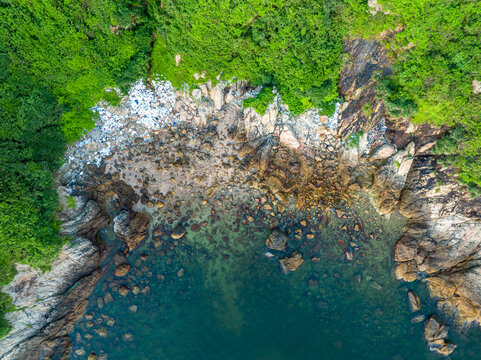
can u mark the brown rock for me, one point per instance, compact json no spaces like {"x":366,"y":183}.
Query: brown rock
{"x":277,"y":240}
{"x":291,"y":262}
{"x":403,"y":252}
{"x":123,"y":290}
{"x":436,"y":334}
{"x":178,"y":232}
{"x":138,"y":229}
{"x":122,"y":270}
{"x":414,"y":302}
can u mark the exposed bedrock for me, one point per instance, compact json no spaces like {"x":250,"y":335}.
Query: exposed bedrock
{"x":442,"y":242}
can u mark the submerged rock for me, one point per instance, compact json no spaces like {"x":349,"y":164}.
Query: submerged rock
{"x":122,"y":270}
{"x":418,"y":319}
{"x":414,"y":302}
{"x":124,"y":290}
{"x":291,"y":262}
{"x":178,"y":232}
{"x":277,"y":240}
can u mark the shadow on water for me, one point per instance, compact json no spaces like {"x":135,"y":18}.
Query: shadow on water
{"x":215,"y":295}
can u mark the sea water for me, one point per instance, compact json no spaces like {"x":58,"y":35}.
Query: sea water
{"x":214,"y":294}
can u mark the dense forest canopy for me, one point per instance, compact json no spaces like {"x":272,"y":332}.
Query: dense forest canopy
{"x":57,"y":58}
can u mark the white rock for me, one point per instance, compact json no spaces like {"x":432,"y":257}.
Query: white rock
{"x":288,"y":139}
{"x":476,"y":85}
{"x":197,"y":94}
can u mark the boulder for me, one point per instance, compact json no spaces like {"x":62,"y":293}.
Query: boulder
{"x":197,"y":94}
{"x":414,"y":302}
{"x":383,"y":152}
{"x":137,"y":229}
{"x":288,"y":139}
{"x":291,"y":262}
{"x":178,"y":232}
{"x":217,"y":95}
{"x":124,"y":290}
{"x":436,"y":334}
{"x":122,"y":270}
{"x":277,"y":240}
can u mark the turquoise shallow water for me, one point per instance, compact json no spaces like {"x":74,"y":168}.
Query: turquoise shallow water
{"x":215,"y":295}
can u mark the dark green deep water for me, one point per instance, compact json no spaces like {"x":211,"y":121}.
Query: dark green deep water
{"x":232,"y":302}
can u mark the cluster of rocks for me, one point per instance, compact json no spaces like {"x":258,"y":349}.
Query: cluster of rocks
{"x":212,"y":144}
{"x":277,"y":241}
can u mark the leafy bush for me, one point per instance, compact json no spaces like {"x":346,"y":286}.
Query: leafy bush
{"x":437,"y":56}
{"x":56,"y":60}
{"x":261,"y":101}
{"x":295,"y":45}
{"x":353,"y":139}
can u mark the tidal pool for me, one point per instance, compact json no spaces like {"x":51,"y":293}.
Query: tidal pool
{"x":213,"y":294}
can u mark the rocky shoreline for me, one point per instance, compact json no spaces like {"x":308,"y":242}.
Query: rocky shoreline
{"x":207,"y":142}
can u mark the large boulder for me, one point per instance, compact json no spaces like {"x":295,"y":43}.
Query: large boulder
{"x":132,"y":228}
{"x":277,"y":240}
{"x":414,"y":302}
{"x":291,"y":262}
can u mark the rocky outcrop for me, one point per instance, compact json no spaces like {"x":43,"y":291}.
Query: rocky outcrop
{"x":442,"y":241}
{"x":132,"y":227}
{"x":305,"y":160}
{"x":49,"y":303}
{"x":436,"y":334}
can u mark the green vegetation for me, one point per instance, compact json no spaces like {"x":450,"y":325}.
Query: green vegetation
{"x":353,"y":139}
{"x":261,"y":101}
{"x":438,"y":55}
{"x":367,"y":109}
{"x":56,"y":59}
{"x":294,"y":45}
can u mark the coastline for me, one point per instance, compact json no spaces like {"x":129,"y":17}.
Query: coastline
{"x":299,"y":162}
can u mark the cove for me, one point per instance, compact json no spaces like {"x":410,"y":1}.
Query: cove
{"x":213,"y":294}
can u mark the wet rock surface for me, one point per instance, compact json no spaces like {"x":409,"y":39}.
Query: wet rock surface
{"x":51,"y":302}
{"x":291,"y":262}
{"x":436,"y":334}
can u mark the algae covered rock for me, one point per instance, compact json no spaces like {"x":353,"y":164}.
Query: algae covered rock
{"x":178,"y":232}
{"x":277,"y":240}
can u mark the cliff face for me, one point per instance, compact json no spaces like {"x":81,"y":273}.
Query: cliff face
{"x":441,"y":242}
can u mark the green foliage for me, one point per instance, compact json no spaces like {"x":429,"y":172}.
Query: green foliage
{"x":437,"y":56}
{"x":367,"y":109}
{"x":71,"y":202}
{"x":353,"y":139}
{"x":56,"y":60}
{"x":396,"y":102}
{"x":71,"y":47}
{"x":261,"y":101}
{"x":294,"y":45}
